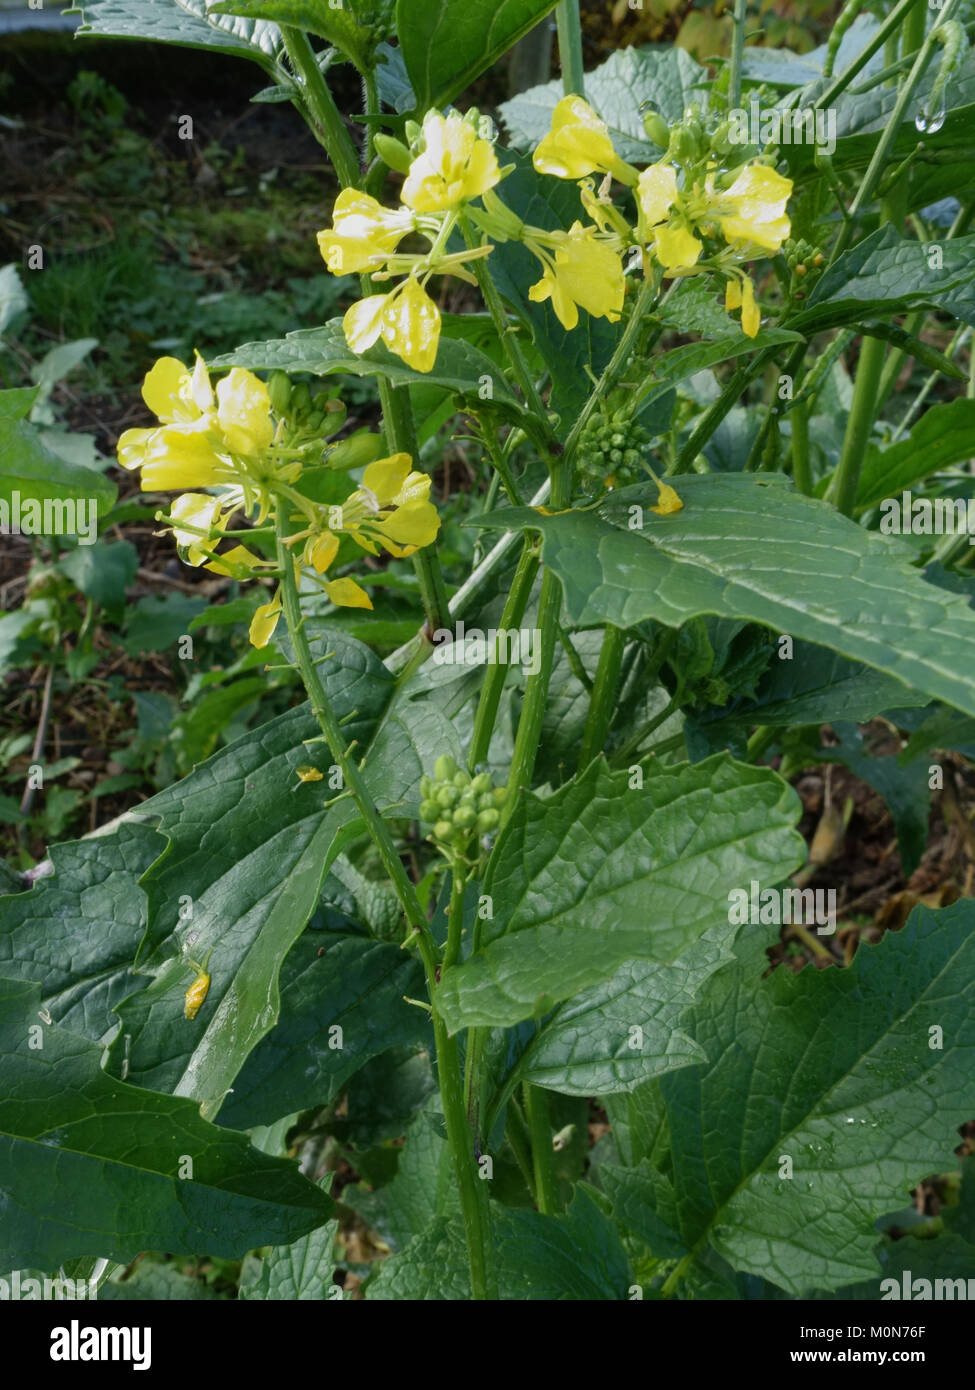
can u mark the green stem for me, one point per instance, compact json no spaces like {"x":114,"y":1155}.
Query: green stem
{"x":570,"y":48}
{"x":455,"y":915}
{"x":323,"y":115}
{"x":632,"y":745}
{"x":516,"y":1133}
{"x":715,"y":413}
{"x":801,"y":471}
{"x":737,"y":49}
{"x":540,"y":1131}
{"x":494,"y":679}
{"x":603,"y":701}
{"x":472,"y":1194}
{"x":888,"y":27}
{"x":536,"y":691}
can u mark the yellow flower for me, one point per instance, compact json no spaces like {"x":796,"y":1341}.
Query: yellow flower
{"x":752,"y":210}
{"x":391,"y":508}
{"x":363,"y":233}
{"x":583,"y":271}
{"x":200,"y":513}
{"x":656,"y":192}
{"x":455,"y":166}
{"x":175,"y":394}
{"x":675,"y":245}
{"x":579,"y":144}
{"x":244,"y":412}
{"x":176,"y":457}
{"x":407,"y":320}
{"x":264,"y":621}
{"x":740,"y":294}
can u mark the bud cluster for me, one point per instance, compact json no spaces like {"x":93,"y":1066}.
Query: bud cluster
{"x":611,"y":451}
{"x":458,"y":805}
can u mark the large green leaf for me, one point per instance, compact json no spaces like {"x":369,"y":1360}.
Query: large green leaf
{"x":887,"y":274}
{"x":92,"y":1166}
{"x":751,"y":547}
{"x":943,"y":437}
{"x":33,"y":471}
{"x":328,"y":981}
{"x":446,"y":45}
{"x":346,"y":27}
{"x":668,"y":76}
{"x":859,"y":1076}
{"x":599,"y":873}
{"x":297,"y":1273}
{"x":459,"y":366}
{"x":77,"y":932}
{"x":185,"y":22}
{"x":249,"y":847}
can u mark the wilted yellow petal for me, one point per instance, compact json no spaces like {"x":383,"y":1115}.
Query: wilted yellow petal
{"x":346,"y":593}
{"x":363,"y":322}
{"x":667,"y":500}
{"x":263,"y":623}
{"x":411,"y":326}
{"x":309,"y":774}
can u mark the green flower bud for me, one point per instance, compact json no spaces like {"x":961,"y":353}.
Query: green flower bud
{"x":412,"y":131}
{"x":447,"y":796}
{"x":465,"y":817}
{"x":443,"y":829}
{"x":462,"y":779}
{"x":656,"y":128}
{"x":426,"y":786}
{"x":444,"y":768}
{"x":356,"y":451}
{"x":395,"y":153}
{"x":500,"y":795}
{"x":279,"y":389}
{"x":429,"y":810}
{"x":488,"y":820}
{"x":300,"y":400}
{"x":481,"y":783}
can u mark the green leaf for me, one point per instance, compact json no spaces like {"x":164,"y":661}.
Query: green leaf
{"x":837,"y":1070}
{"x":669,"y":77}
{"x":886,"y":274}
{"x":821,"y":578}
{"x":298,"y":1273}
{"x":155,"y":1283}
{"x":185,"y":22}
{"x":577,"y":1257}
{"x":459,"y":366}
{"x":572,"y":874}
{"x":77,"y":932}
{"x":904,"y":787}
{"x":15,"y":404}
{"x":158,"y":621}
{"x":624,"y":1031}
{"x":943,"y":437}
{"x":683,"y":362}
{"x":102,"y":571}
{"x":92,"y":1166}
{"x":33,"y":472}
{"x":446,"y":45}
{"x":249,"y":847}
{"x":331,"y":22}
{"x":424,"y":1186}
{"x":328,"y":982}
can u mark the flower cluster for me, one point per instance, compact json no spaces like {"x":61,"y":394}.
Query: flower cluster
{"x":694,"y":211}
{"x":459,"y":806}
{"x":251,"y":453}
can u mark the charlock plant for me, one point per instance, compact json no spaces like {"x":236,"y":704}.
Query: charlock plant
{"x":556,"y":880}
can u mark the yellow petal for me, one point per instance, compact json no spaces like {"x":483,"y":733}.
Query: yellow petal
{"x":244,"y":412}
{"x":346,"y":593}
{"x":657,"y":192}
{"x":198,"y":388}
{"x":732,"y":295}
{"x":238,"y":563}
{"x":263,"y":623}
{"x":751,"y":315}
{"x":132,"y":447}
{"x":362,"y":232}
{"x":201,"y":512}
{"x":756,"y":204}
{"x":162,"y":392}
{"x":411,"y":326}
{"x":416,"y":524}
{"x":323,"y":551}
{"x":416,"y":488}
{"x":549,"y":287}
{"x":385,"y":477}
{"x":309,"y":774}
{"x":677,"y":248}
{"x":667,"y":500}
{"x":577,"y":144}
{"x":363,"y":322}
{"x":181,"y":457}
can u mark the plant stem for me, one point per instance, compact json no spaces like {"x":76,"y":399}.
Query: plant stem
{"x":540,"y":1130}
{"x":473,"y":1196}
{"x":570,"y":47}
{"x":323,"y":115}
{"x":617,"y":363}
{"x":536,"y":691}
{"x":737,"y":48}
{"x":888,"y":27}
{"x":491,"y":690}
{"x":455,"y":915}
{"x":801,"y":472}
{"x":603,"y":700}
